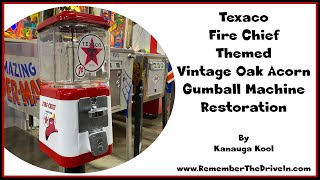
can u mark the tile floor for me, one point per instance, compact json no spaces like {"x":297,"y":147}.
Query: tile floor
{"x":24,"y":144}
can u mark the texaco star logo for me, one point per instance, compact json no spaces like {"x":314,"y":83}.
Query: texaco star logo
{"x":91,"y":54}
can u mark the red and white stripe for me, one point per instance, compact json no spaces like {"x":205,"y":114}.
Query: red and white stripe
{"x":170,"y":77}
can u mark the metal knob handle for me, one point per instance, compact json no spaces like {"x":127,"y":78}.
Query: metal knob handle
{"x":98,"y":112}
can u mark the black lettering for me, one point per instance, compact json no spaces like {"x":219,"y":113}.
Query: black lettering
{"x":245,"y":36}
{"x":187,"y":88}
{"x":242,"y":18}
{"x":223,"y":16}
{"x":241,"y":71}
{"x":204,"y":107}
{"x":255,"y":18}
{"x":237,"y":18}
{"x":182,"y":69}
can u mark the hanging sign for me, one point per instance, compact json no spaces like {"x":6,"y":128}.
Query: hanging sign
{"x":22,"y":83}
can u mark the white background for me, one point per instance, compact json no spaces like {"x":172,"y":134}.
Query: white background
{"x":189,"y":137}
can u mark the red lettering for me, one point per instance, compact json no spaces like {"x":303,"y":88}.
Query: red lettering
{"x":30,"y":96}
{"x":48,"y":105}
{"x":26,"y":94}
{"x":52,"y":106}
{"x":44,"y":104}
{"x":39,"y":83}
{"x":14,"y":92}
{"x":8,"y":89}
{"x":35,"y":91}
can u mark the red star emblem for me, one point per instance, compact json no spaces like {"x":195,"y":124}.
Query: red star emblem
{"x":91,"y":53}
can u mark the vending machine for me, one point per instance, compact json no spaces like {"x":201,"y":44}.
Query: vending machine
{"x":75,"y":105}
{"x":150,"y":73}
{"x":149,"y":79}
{"x":121,"y":68}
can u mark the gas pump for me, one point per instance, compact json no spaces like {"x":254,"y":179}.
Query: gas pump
{"x":75,"y":124}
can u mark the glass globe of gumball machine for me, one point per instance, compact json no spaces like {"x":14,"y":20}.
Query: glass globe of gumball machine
{"x":75,"y":105}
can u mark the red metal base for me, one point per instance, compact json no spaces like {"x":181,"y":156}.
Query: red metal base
{"x":72,"y":94}
{"x":71,"y":162}
{"x":153,"y":107}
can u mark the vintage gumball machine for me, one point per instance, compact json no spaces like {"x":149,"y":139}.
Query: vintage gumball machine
{"x":75,"y":105}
